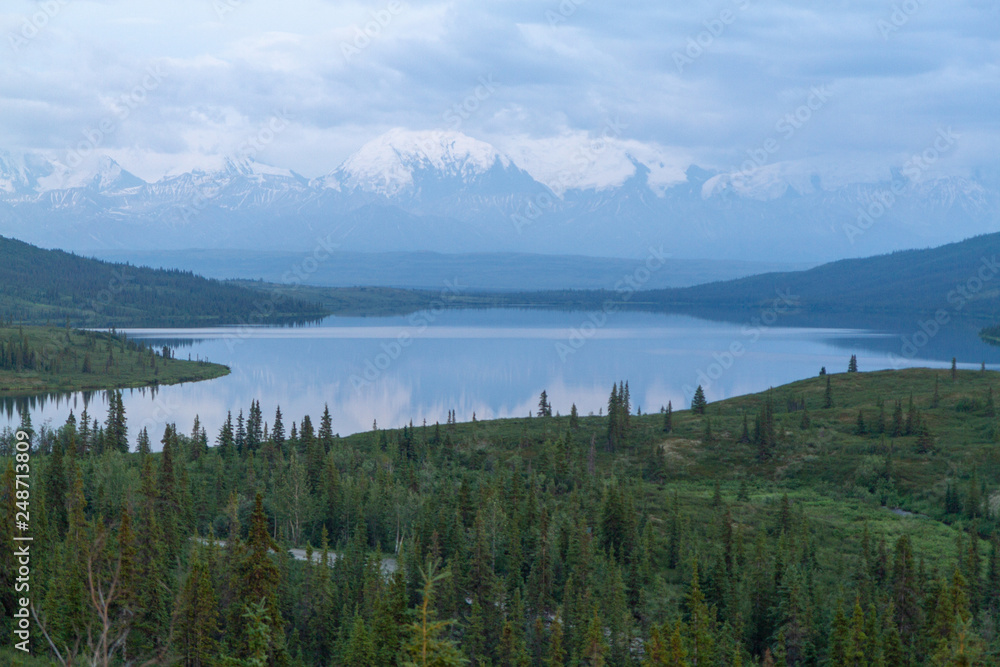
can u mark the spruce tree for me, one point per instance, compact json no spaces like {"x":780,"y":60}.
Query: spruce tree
{"x":427,"y":644}
{"x":544,"y":408}
{"x":325,"y":433}
{"x":278,"y":431}
{"x":257,"y":582}
{"x":827,"y":395}
{"x":225,"y":440}
{"x":360,"y":649}
{"x":153,"y":595}
{"x":556,"y":654}
{"x":595,"y":649}
{"x":240,"y":436}
{"x":142,"y":443}
{"x":896,"y":427}
{"x":859,"y":425}
{"x":698,"y":402}
{"x":196,"y":617}
{"x":668,"y":418}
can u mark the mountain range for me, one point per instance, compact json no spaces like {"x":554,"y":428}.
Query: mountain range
{"x":447,"y":192}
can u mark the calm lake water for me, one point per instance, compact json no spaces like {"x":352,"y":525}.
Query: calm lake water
{"x":495,"y":363}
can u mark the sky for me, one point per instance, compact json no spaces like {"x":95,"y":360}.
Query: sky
{"x":850,"y":87}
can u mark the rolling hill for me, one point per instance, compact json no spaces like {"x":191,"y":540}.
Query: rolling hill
{"x":55,"y":286}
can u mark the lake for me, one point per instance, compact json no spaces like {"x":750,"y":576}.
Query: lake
{"x":495,"y":363}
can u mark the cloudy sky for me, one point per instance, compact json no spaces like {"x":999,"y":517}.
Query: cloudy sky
{"x":853,"y":85}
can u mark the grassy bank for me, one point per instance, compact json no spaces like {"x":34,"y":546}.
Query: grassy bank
{"x":36,"y":360}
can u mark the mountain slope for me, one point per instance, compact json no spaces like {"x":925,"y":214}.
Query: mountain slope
{"x":53,"y":286}
{"x":446,"y":192}
{"x":961,"y":278}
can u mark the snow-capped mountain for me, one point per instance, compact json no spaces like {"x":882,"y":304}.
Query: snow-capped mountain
{"x":401,"y":163}
{"x":447,"y":192}
{"x":31,"y":175}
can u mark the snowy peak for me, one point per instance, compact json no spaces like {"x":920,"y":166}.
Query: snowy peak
{"x":16,"y":173}
{"x":395,"y":162}
{"x":34,"y":174}
{"x":250,"y":168}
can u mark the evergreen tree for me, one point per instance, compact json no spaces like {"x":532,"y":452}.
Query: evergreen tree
{"x":254,"y":428}
{"x":698,"y":402}
{"x":225,"y":440}
{"x":325,"y":433}
{"x":142,"y":443}
{"x":360,"y":649}
{"x":555,"y":655}
{"x":574,"y":417}
{"x":896,"y":427}
{"x":278,"y":431}
{"x":115,"y":429}
{"x":240,"y":437}
{"x":668,"y":418}
{"x":544,"y":408}
{"x":257,"y":582}
{"x":595,"y":649}
{"x":852,"y":367}
{"x":745,"y":434}
{"x":701,"y":623}
{"x":196,"y":617}
{"x":827,"y":395}
{"x":859,"y":427}
{"x":54,"y":484}
{"x":153,"y":594}
{"x":992,"y":588}
{"x":428,"y":645}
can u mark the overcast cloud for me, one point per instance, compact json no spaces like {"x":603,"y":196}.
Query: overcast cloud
{"x":672,"y":83}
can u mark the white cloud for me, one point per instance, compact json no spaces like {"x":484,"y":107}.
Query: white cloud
{"x":557,"y":84}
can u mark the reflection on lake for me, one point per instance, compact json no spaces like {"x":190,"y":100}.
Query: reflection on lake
{"x":493,"y":364}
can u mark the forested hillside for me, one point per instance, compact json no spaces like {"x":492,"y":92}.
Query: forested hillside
{"x":846,"y":519}
{"x":962,"y":278}
{"x":42,"y":286}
